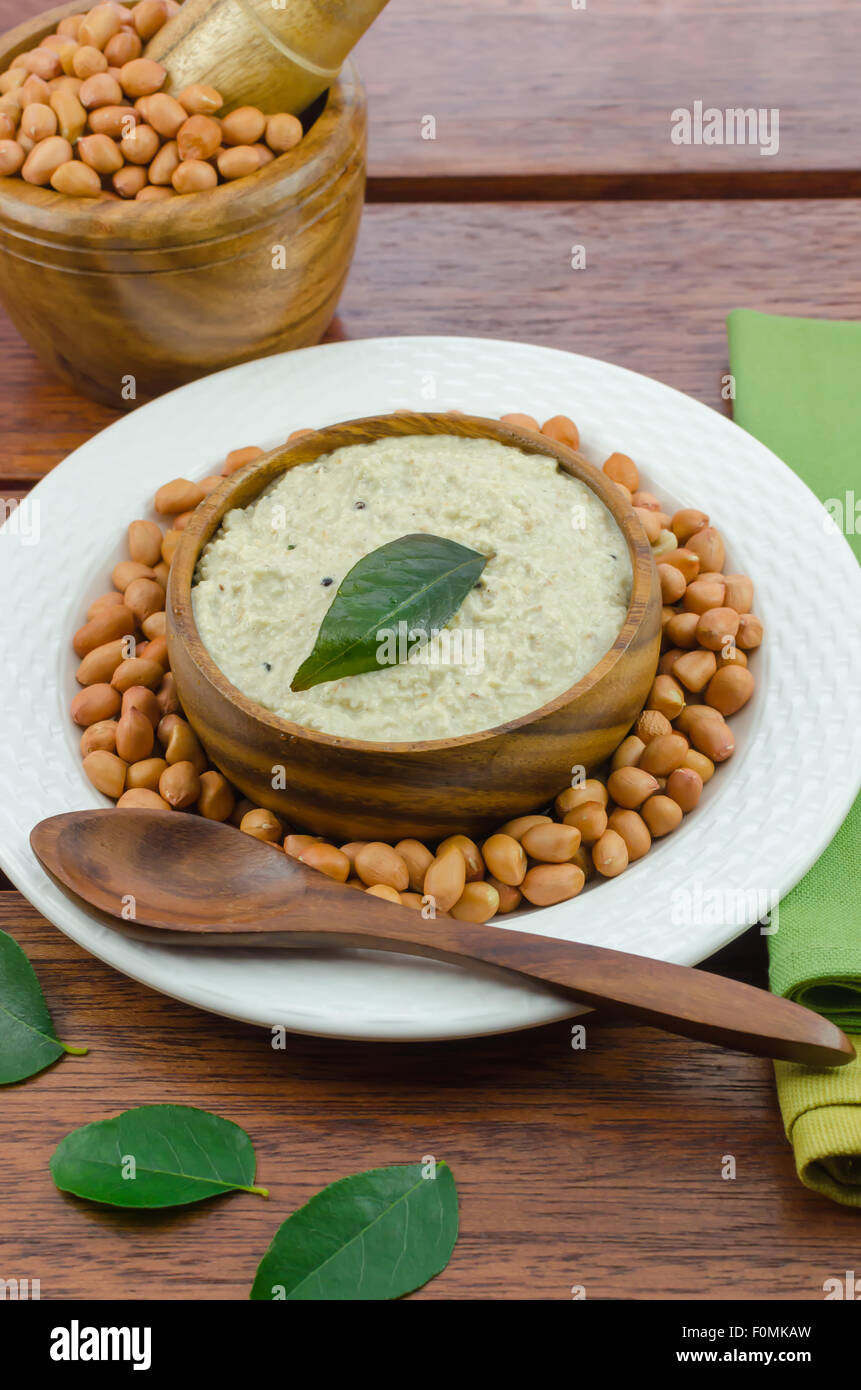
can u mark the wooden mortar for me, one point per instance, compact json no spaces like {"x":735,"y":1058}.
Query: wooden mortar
{"x":278,"y":57}
{"x":166,"y":292}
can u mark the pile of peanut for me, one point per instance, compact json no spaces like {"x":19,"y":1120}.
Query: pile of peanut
{"x":85,"y":113}
{"x":138,"y":748}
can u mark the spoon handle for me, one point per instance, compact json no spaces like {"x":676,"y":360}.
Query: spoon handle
{"x":680,"y":1000}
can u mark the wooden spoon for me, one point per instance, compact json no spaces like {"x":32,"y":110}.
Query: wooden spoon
{"x":214,"y":885}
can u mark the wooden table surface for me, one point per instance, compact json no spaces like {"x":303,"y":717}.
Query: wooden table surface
{"x":599,"y":1168}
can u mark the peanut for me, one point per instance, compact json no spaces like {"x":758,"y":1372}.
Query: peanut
{"x":661,"y":814}
{"x":478,"y":902}
{"x":622,"y":470}
{"x":682,"y":629}
{"x":590,"y":819}
{"x":685,"y":561}
{"x":106,"y":771}
{"x":546,"y":884}
{"x":193,"y":176}
{"x":144,"y":597}
{"x":179,"y":496}
{"x":379,"y":863}
{"x":198,"y":137}
{"x":326,"y":859}
{"x":12,"y":157}
{"x":666,"y":696}
{"x":552,"y":844}
{"x":95,"y":704}
{"x":99,"y":25}
{"x":141,"y":77}
{"x":709,"y":733}
{"x":708,"y":544}
{"x":141,"y":799}
{"x":590,"y":790}
{"x":739,"y":592}
{"x":695,"y":669}
{"x":103,"y":155}
{"x":685,"y":787}
{"x":148,"y":17}
{"x":730,"y":689}
{"x":137,"y":671}
{"x":180,"y":786}
{"x":418,"y":860}
{"x":672,"y":583}
{"x":703,"y":594}
{"x":283,"y":132}
{"x":238,"y":162}
{"x":629,"y":787}
{"x":100,"y":664}
{"x":687,"y":522}
{"x":244,"y":126}
{"x":470,"y":851}
{"x":506,"y":858}
{"x":445,"y":879}
{"x":701,"y":765}
{"x":664,"y":754}
{"x":384,"y":891}
{"x":628,"y":752}
{"x":262,"y":825}
{"x":633,"y":830}
{"x":106,"y":625}
{"x":610,"y":854}
{"x":101,"y":735}
{"x":717,"y":627}
{"x":135,"y":735}
{"x":749,"y":635}
{"x":139,"y":697}
{"x":44,"y":159}
{"x":145,"y":775}
{"x":509,"y":898}
{"x":200,"y":100}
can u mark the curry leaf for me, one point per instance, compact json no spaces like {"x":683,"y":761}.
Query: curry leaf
{"x":156,"y":1156}
{"x":28,"y":1040}
{"x":419,"y":581}
{"x":375,"y":1235}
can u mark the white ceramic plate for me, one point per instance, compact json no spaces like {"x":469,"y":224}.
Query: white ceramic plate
{"x":763,"y":820}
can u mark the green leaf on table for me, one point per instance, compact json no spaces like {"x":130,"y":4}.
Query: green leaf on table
{"x":375,"y":1235}
{"x":156,"y":1156}
{"x":28,"y":1040}
{"x":419,"y":581}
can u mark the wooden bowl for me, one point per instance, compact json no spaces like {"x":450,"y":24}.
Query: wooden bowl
{"x":355,"y":790}
{"x":128,"y":300}
{"x":351,"y":789}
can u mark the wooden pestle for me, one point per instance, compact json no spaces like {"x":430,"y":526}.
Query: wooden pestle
{"x":278,"y":55}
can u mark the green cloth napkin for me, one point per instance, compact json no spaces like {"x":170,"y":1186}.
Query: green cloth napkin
{"x":797,"y":390}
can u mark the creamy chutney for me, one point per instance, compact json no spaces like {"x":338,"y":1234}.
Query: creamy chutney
{"x":550,"y":601}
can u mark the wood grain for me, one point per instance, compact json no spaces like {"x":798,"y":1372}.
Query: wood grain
{"x":659,"y":281}
{"x":535,"y":95}
{"x":240,"y":49}
{"x":599,"y":1167}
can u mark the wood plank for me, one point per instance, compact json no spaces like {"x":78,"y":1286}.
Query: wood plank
{"x":573,"y":1167}
{"x":659,"y":281}
{"x":536,"y":95}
